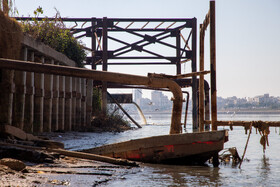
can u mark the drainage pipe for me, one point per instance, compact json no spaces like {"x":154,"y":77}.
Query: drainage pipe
{"x":151,"y":81}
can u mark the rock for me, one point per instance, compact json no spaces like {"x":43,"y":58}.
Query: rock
{"x":49,"y":144}
{"x":9,"y":130}
{"x":13,"y":164}
{"x":25,"y":154}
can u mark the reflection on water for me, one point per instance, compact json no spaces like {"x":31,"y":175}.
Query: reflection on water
{"x":261,"y":169}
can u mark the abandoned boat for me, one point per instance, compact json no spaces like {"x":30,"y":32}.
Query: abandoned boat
{"x":182,"y":149}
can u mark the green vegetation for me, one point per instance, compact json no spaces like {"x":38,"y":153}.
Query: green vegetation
{"x":113,"y":121}
{"x":96,"y":101}
{"x":55,"y":34}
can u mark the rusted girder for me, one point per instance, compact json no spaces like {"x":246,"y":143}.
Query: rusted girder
{"x":109,"y":77}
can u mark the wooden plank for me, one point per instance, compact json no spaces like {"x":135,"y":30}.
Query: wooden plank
{"x":88,"y":156}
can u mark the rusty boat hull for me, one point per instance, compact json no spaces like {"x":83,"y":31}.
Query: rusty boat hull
{"x":183,"y":149}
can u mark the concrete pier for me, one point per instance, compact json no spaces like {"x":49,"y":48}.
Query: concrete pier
{"x":29,"y":99}
{"x":61,"y":101}
{"x":38,"y":102}
{"x":68,"y":104}
{"x":55,"y":103}
{"x":19,"y":95}
{"x":48,"y":87}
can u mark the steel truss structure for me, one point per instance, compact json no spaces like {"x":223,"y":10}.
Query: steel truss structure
{"x":139,"y":41}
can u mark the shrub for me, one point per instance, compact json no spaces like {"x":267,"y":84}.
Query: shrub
{"x":55,"y":34}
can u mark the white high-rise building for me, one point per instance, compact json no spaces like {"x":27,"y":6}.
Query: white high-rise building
{"x":137,"y":96}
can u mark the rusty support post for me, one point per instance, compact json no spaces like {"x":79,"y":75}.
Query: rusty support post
{"x":61,"y":107}
{"x":68,"y":104}
{"x":55,"y":106}
{"x":213,"y":65}
{"x":178,"y":53}
{"x":194,"y":80}
{"x":19,"y":96}
{"x":104,"y":64}
{"x":93,"y":43}
{"x":39,"y":100}
{"x":29,"y":99}
{"x":48,"y":86}
{"x":201,"y":80}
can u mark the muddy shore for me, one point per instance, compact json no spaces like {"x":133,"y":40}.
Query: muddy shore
{"x":45,"y":168}
{"x":66,"y":171}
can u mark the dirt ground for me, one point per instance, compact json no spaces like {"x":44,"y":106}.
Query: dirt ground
{"x":66,"y":171}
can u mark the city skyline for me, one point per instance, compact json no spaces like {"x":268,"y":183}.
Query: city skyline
{"x":247,"y":35}
{"x":160,"y":102}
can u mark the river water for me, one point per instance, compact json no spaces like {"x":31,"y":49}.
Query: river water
{"x":258,"y":169}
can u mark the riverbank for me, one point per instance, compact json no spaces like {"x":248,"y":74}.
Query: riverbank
{"x":65,"y":171}
{"x":44,"y":162}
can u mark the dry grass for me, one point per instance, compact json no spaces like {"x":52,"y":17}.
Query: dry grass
{"x":10,"y":37}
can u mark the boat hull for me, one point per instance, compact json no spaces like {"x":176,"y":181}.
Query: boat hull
{"x":187,"y":148}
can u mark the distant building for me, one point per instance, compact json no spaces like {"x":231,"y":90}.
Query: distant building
{"x":137,"y":96}
{"x":160,"y":101}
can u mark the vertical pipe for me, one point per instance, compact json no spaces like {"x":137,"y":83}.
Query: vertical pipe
{"x":19,"y":96}
{"x":186,"y":111}
{"x":213,"y":65}
{"x":55,"y":104}
{"x":178,"y":53}
{"x":93,"y":43}
{"x":78,"y":103}
{"x":201,"y":80}
{"x":29,"y":100}
{"x":104,"y":65}
{"x":39,"y":100}
{"x":48,"y":86}
{"x":68,"y":104}
{"x":74,"y":94}
{"x":194,"y":80}
{"x":61,"y":106}
{"x":89,"y":101}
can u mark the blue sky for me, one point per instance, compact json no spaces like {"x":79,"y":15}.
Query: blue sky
{"x":248,"y":35}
